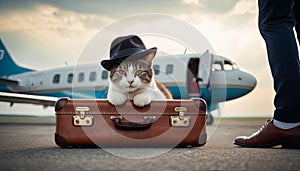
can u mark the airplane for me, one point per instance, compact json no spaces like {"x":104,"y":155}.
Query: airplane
{"x":216,"y":78}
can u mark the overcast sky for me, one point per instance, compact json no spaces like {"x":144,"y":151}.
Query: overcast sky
{"x":45,"y":34}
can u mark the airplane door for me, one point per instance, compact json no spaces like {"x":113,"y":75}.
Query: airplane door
{"x":193,"y":79}
{"x":206,"y":61}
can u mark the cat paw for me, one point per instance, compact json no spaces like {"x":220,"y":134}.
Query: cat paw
{"x":117,"y":100}
{"x":141,"y":100}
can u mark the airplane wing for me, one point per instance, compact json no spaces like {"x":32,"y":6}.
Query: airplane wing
{"x":29,"y":99}
{"x":23,"y":98}
{"x":5,"y":81}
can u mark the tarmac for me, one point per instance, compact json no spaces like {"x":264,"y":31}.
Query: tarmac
{"x":27,"y":143}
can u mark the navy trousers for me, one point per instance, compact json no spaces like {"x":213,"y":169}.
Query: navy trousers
{"x":277,"y":18}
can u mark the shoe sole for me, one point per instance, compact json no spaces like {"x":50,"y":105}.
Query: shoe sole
{"x":285,"y":145}
{"x":291,"y":145}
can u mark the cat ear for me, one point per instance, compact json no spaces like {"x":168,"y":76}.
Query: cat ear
{"x":150,"y":57}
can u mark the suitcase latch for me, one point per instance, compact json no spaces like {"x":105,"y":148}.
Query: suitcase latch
{"x":181,"y":120}
{"x":82,"y":119}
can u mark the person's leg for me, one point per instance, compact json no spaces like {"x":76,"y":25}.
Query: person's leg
{"x":276,"y":27}
{"x":297,"y":18}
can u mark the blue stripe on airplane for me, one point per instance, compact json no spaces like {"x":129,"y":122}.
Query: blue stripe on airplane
{"x":178,"y":92}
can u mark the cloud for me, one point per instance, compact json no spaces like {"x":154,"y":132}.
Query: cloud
{"x":231,"y":33}
{"x":115,"y":9}
{"x":16,"y":5}
{"x":209,"y":6}
{"x":244,"y":6}
{"x":50,"y":22}
{"x":49,"y":31}
{"x":121,"y":8}
{"x":195,"y":2}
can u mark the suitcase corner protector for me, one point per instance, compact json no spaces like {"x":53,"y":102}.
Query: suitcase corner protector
{"x":200,"y":103}
{"x":61,"y":103}
{"x":60,"y":140}
{"x":201,"y":140}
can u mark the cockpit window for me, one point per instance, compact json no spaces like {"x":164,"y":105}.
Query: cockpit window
{"x":235,"y":66}
{"x":226,"y":65}
{"x":217,"y":66}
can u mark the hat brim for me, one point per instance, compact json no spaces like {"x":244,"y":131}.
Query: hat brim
{"x":109,"y":64}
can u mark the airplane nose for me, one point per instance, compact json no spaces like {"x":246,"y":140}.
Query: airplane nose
{"x":251,"y":81}
{"x":247,"y":81}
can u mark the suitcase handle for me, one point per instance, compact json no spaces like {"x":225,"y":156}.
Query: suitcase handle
{"x":132,"y":125}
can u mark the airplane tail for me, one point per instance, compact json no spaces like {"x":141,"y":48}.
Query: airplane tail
{"x":7,"y":64}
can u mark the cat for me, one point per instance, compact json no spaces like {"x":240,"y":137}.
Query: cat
{"x":134,"y":80}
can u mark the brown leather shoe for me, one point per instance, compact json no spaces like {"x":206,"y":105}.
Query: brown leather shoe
{"x":269,"y":135}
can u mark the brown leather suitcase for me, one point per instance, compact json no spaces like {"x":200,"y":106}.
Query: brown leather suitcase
{"x":162,"y":123}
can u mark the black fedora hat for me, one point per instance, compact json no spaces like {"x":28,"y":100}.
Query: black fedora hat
{"x":123,"y":47}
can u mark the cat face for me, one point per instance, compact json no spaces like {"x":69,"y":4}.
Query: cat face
{"x":132,"y":75}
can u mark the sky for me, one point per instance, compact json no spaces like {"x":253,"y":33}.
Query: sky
{"x":48,"y":34}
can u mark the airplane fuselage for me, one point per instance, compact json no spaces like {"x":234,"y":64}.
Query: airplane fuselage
{"x":219,"y":83}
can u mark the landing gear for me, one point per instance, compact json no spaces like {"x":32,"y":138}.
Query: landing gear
{"x":209,"y":119}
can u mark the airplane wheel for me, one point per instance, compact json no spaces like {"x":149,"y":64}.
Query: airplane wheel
{"x":209,"y":119}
